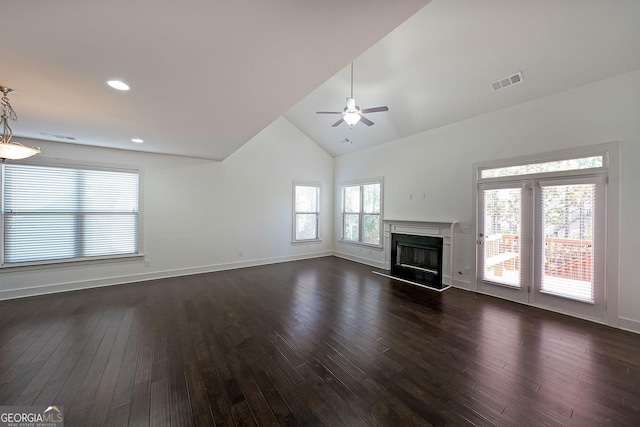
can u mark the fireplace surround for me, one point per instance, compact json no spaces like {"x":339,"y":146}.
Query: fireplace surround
{"x":426,"y":252}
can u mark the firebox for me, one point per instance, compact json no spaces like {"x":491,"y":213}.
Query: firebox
{"x":417,"y":259}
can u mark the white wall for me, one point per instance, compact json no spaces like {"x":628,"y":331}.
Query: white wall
{"x":605,"y":111}
{"x":198,"y":214}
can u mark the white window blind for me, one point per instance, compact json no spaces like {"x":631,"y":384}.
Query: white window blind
{"x":62,"y":213}
{"x":570,"y":249}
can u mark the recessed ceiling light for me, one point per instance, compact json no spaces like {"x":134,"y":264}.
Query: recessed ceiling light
{"x":137,"y":140}
{"x":117,"y":84}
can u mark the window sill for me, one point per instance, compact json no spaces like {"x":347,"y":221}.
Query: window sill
{"x":361,"y":244}
{"x":26,"y":266}
{"x":305,"y":242}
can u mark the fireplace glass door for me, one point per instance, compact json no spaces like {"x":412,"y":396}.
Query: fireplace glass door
{"x":417,"y":259}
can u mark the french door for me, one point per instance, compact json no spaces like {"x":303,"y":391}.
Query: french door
{"x":503,"y":240}
{"x":541,"y":242}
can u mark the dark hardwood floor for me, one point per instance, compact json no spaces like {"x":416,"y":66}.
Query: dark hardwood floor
{"x":315,"y":342}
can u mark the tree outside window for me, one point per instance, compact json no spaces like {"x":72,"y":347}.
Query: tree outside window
{"x":361,"y":216}
{"x":306,"y":212}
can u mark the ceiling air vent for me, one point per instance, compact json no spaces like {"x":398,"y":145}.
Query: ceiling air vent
{"x":507,"y":81}
{"x":69,"y":138}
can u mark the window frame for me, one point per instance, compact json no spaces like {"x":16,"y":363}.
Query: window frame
{"x":316,"y":185}
{"x":361,"y":214}
{"x":611,"y":169}
{"x":78,"y":165}
{"x":541,"y":159}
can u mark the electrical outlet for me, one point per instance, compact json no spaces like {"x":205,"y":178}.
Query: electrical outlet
{"x":466,"y":271}
{"x":240,"y":254}
{"x":147,"y":263}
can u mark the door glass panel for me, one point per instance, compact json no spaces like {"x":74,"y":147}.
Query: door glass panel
{"x":502,"y":236}
{"x":568,"y":227}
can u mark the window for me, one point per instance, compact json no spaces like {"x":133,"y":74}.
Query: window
{"x":306,"y":212}
{"x":361,"y":214}
{"x":545,"y":167}
{"x":569,"y":228}
{"x":53,"y":213}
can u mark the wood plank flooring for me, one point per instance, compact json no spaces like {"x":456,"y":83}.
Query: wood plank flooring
{"x":314,"y":342}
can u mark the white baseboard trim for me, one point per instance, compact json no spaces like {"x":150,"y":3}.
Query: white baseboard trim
{"x":142,"y":277}
{"x":462,"y":284}
{"x":629,"y":325}
{"x":358,"y":259}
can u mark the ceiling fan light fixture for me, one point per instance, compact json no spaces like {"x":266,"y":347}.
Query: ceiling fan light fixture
{"x":10,"y":149}
{"x":351,"y":118}
{"x":352,"y":114}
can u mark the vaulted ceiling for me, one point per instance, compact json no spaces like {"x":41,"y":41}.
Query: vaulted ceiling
{"x":437,"y":67}
{"x":207,"y":76}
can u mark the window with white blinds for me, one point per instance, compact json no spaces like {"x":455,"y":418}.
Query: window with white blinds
{"x":63,"y":213}
{"x":568,"y":215}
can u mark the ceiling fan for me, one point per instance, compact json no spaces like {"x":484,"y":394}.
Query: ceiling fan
{"x":352,"y":114}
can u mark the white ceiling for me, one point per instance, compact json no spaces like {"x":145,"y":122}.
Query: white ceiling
{"x":207,"y":76}
{"x":437,"y":67}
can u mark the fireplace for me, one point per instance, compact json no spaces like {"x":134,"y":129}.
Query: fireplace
{"x":417,"y":259}
{"x":420,"y":252}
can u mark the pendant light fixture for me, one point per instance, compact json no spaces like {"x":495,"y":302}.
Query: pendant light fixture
{"x":9,"y":149}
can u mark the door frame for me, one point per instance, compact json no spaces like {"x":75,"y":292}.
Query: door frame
{"x":540,"y":299}
{"x":611,"y":155}
{"x":512,"y":293}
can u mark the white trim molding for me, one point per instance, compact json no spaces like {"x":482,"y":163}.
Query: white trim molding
{"x":445,"y":230}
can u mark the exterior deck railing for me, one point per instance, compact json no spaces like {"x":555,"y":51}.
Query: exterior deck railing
{"x":566,"y":258}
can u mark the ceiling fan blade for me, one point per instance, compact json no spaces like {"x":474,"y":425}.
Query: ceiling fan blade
{"x":337,"y":123}
{"x":366,"y":121}
{"x":375,"y":109}
{"x":328,"y":112}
